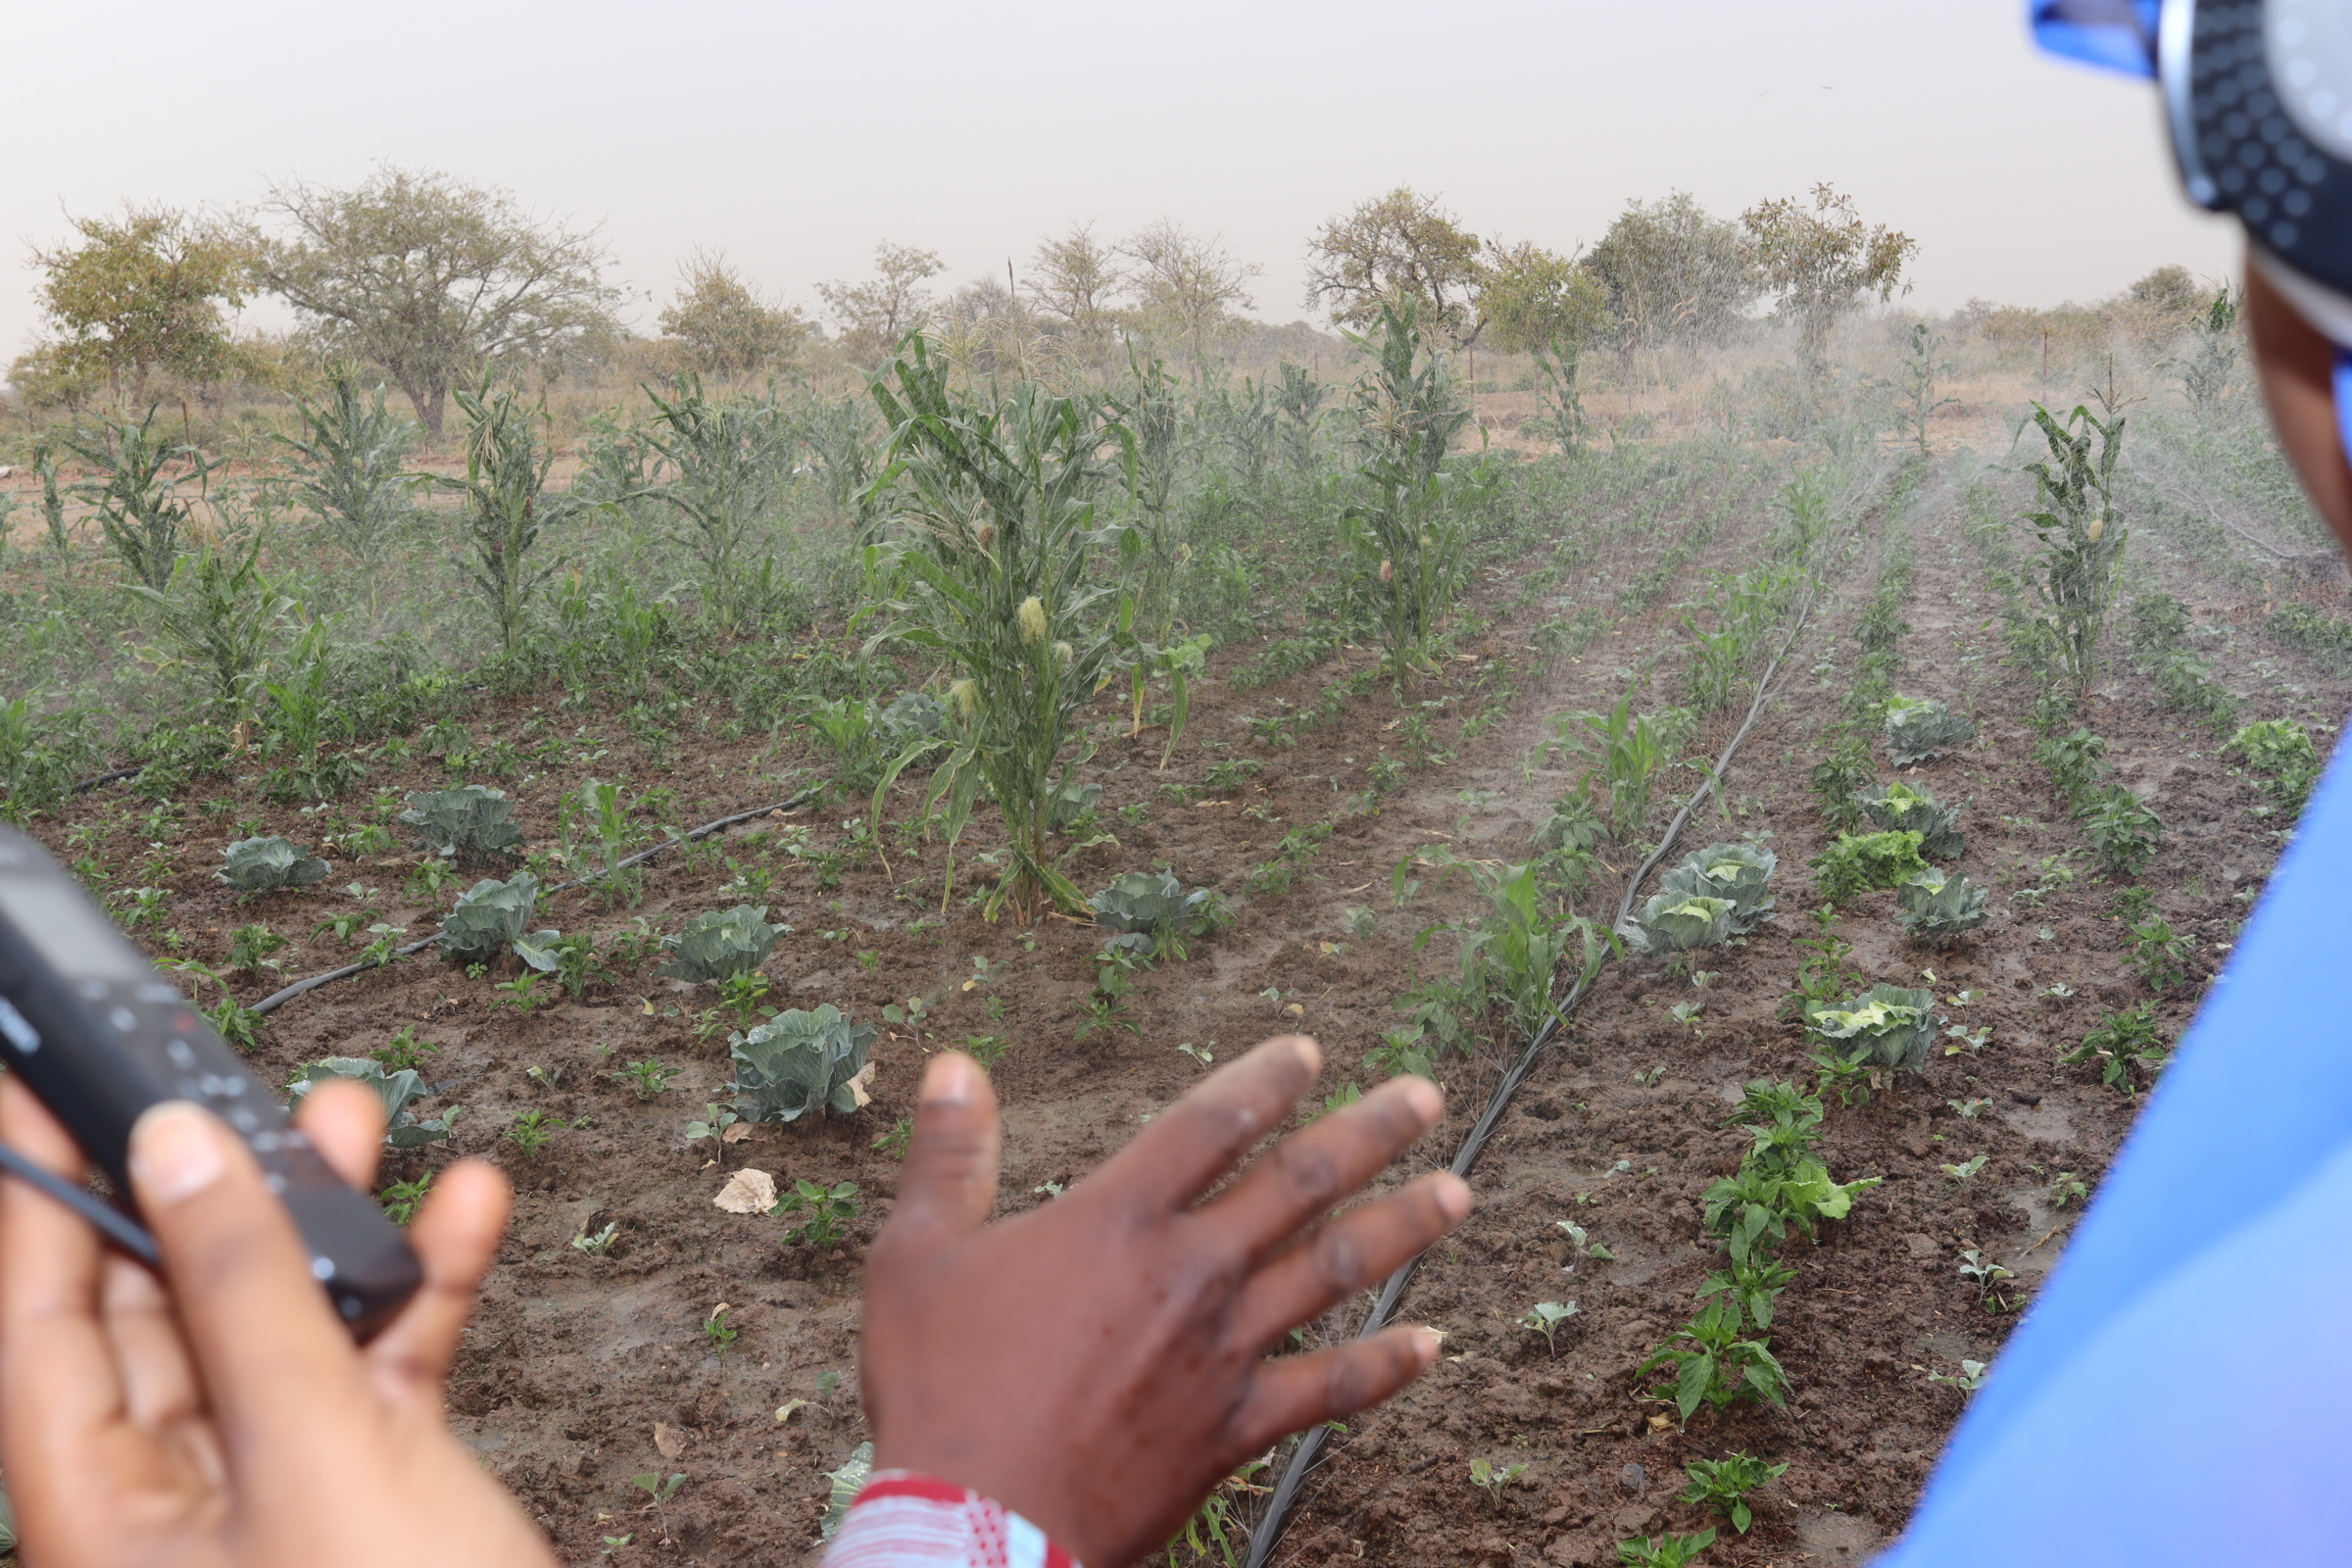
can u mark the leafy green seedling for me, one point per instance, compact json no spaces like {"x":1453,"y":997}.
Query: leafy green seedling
{"x":647,"y":1079}
{"x":613,"y":1543}
{"x":1966,"y":1169}
{"x":530,"y":1131}
{"x":1546,"y":1318}
{"x":1987,"y":1275}
{"x":2069,"y":1188}
{"x":894,"y":1142}
{"x":1687,"y":1013}
{"x":1712,"y":1364}
{"x":660,"y":1491}
{"x":1969,"y":1380}
{"x":1970,"y":1109}
{"x":1663,"y":1552}
{"x":600,"y":1243}
{"x":1650,"y":1079}
{"x":829,"y":1211}
{"x":1200,"y":1053}
{"x":523,"y":995}
{"x":250,"y":946}
{"x":2119,"y":1040}
{"x":1724,"y":1484}
{"x":546,"y":1077}
{"x":405,"y":1052}
{"x":402,"y":1199}
{"x":1494,"y":1478}
{"x":717,"y":1332}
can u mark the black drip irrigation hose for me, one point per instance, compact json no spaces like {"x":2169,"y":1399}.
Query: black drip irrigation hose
{"x":1268,"y":1533}
{"x":277,"y":998}
{"x":88,"y":784}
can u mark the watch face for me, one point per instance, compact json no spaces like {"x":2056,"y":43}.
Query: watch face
{"x":2262,"y":119}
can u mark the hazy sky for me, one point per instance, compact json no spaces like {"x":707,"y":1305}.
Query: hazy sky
{"x":795,"y":135}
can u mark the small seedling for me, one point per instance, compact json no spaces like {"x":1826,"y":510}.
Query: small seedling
{"x":1684,"y":1014}
{"x":546,"y":1077}
{"x":1987,"y":1274}
{"x":402,"y":1199}
{"x":648,"y":1079}
{"x":717,"y":1333}
{"x":1650,"y":1079}
{"x":1346,"y":1094}
{"x":1724,"y":1484}
{"x":717,"y":1119}
{"x":1494,"y":1478}
{"x":530,"y":1131}
{"x":1546,"y":1318}
{"x":1969,"y":1380}
{"x":2069,"y":1188}
{"x":250,"y":946}
{"x":599,"y":1243}
{"x":829,"y":1211}
{"x":1199,"y":1054}
{"x":1966,"y":1169}
{"x":404,"y":1051}
{"x":894,"y":1142}
{"x":1970,"y":1109}
{"x":613,"y":1543}
{"x":1664,"y":1551}
{"x":661,"y":1492}
{"x":988,"y":1050}
{"x":523,"y":995}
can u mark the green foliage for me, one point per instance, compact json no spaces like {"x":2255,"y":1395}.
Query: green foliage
{"x":217,"y":615}
{"x":506,"y":510}
{"x":1899,"y":806}
{"x":1739,"y":872}
{"x":1494,"y":1478}
{"x":397,"y":1088}
{"x":1514,"y":950}
{"x":2280,"y":752}
{"x":830,"y":1209}
{"x":1546,"y":1318}
{"x":2073,"y":574}
{"x":1713,"y":1364}
{"x":250,"y":946}
{"x":1856,"y":865}
{"x":404,"y":1051}
{"x":2119,"y":1040}
{"x":1920,"y":729}
{"x":720,"y":943}
{"x":2076,"y":762}
{"x":730,"y":463}
{"x":473,"y":822}
{"x":488,"y":919}
{"x":1679,"y":922}
{"x":265,"y":865}
{"x":348,"y":466}
{"x":1723,"y":1484}
{"x":1633,"y":754}
{"x":402,"y":1200}
{"x":1153,"y":913}
{"x":2160,"y":626}
{"x":1664,"y":1551}
{"x":2122,"y":829}
{"x":1937,"y":909}
{"x":140,"y":502}
{"x":800,"y":1063}
{"x":1886,"y":1026}
{"x":648,"y":1080}
{"x":2161,"y":955}
{"x":530,"y":1131}
{"x":1839,"y":777}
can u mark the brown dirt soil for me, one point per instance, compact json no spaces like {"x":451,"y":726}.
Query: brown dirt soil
{"x":582,"y":1371}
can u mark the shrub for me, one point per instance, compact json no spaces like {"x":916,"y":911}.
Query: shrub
{"x":1859,"y":862}
{"x":720,"y":943}
{"x":1836,"y":777}
{"x":472,"y":823}
{"x":1921,"y":729}
{"x":2122,"y":829}
{"x":1901,"y":807}
{"x":2281,"y":751}
{"x":397,"y":1089}
{"x":2119,"y":1040}
{"x":800,"y":1063}
{"x":265,"y":865}
{"x":1936,"y":908}
{"x":489,"y":919}
{"x":1677,"y":922}
{"x":1739,"y":872}
{"x":1886,"y":1026}
{"x":2076,"y":761}
{"x":1153,"y":913}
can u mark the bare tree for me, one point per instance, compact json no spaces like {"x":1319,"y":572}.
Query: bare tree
{"x":1402,"y":246}
{"x":1187,"y":288}
{"x":430,"y":277}
{"x":875,"y":315}
{"x":1823,"y":260}
{"x":726,"y":327}
{"x":1074,"y":281}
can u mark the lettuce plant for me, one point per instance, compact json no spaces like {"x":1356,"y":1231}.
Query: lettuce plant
{"x":489,"y":919}
{"x":1859,"y":862}
{"x":1154,"y":915}
{"x":1899,"y":808}
{"x":1677,"y":922}
{"x":471,"y":823}
{"x":800,"y":1063}
{"x":1936,"y":908}
{"x":397,"y":1089}
{"x":265,"y":865}
{"x":721,"y":944}
{"x":1886,"y":1026}
{"x":1920,"y":729}
{"x":1739,"y":872}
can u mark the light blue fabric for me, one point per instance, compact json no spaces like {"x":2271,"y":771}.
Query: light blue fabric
{"x":2176,"y":1392}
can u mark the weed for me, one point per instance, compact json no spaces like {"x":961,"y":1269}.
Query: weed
{"x":2280,"y":752}
{"x":2076,"y":762}
{"x":1216,"y":1515}
{"x":1724,"y":1484}
{"x":894,"y":1142}
{"x":402,"y":1199}
{"x":1839,"y":777}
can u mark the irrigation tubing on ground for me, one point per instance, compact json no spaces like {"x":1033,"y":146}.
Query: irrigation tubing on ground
{"x":88,"y":784}
{"x":277,"y":998}
{"x":1268,"y":1531}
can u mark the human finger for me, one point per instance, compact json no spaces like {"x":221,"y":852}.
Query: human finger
{"x":345,"y":1122}
{"x":456,"y":1234}
{"x":1347,"y":1254}
{"x":1301,"y":1178}
{"x":1205,"y":1134}
{"x":159,"y":1382}
{"x":1293,"y":1393}
{"x":950,"y":1185}
{"x":270,"y":1350}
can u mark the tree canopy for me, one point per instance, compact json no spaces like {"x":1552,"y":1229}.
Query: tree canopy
{"x":1673,"y":274}
{"x":725,"y":326}
{"x":1823,"y":260}
{"x":430,"y":277}
{"x":1394,"y":248}
{"x":145,"y":293}
{"x":875,"y":315}
{"x":1535,"y":299}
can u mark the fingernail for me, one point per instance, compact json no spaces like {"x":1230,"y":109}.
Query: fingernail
{"x":1427,"y":1101}
{"x":175,"y":1152}
{"x":1453,"y":1198}
{"x":1310,"y":1053}
{"x":952,"y":1079}
{"x":1425,"y":1344}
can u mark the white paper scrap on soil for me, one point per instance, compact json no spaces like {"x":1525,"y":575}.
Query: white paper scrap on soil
{"x":748,"y":1192}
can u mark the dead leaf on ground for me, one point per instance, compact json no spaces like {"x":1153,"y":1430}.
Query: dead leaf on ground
{"x":736,"y":1133}
{"x":748,"y":1192}
{"x":669,"y":1441}
{"x":858,"y":1085}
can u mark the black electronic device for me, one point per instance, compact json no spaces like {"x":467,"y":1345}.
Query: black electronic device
{"x":91,"y":1028}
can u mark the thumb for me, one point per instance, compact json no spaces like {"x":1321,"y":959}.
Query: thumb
{"x":950,"y":1180}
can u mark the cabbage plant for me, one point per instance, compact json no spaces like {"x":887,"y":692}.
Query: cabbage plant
{"x":1898,"y":808}
{"x":721,"y":944}
{"x":265,"y":865}
{"x":1153,"y":913}
{"x":1675,"y":922}
{"x":1920,"y":729}
{"x":397,"y":1089}
{"x":489,"y":919}
{"x":1886,"y":1026}
{"x":1936,"y":908}
{"x":1739,"y":872}
{"x":471,"y":823}
{"x":800,"y":1063}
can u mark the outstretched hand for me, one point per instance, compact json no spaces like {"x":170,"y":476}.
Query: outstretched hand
{"x":1100,"y":1364}
{"x":232,"y":1423}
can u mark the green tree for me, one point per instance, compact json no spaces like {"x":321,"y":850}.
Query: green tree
{"x":1823,"y":260}
{"x":144,"y":293}
{"x":1396,"y":248}
{"x":875,"y":315}
{"x":1542,"y":304}
{"x":432,"y":278}
{"x":1673,"y":274}
{"x":726,"y":327}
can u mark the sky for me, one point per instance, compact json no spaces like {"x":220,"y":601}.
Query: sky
{"x":795,"y":136}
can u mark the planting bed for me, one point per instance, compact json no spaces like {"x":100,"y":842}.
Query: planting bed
{"x":585,"y":1369}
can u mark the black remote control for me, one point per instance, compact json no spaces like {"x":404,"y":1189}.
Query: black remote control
{"x":90,"y":1027}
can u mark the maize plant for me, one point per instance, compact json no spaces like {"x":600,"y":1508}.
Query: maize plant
{"x":347,"y":466}
{"x":996,"y":576}
{"x":1408,"y":543}
{"x":140,"y":502}
{"x":2083,"y":537}
{"x":505,"y":509}
{"x":732,"y":464}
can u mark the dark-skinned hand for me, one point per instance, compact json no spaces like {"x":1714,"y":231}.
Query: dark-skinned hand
{"x":1098,"y":1364}
{"x":232,"y":1423}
